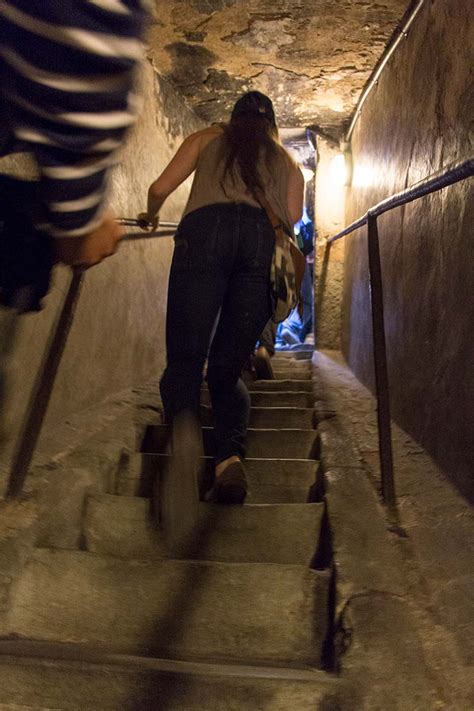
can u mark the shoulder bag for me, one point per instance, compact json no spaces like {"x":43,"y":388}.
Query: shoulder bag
{"x":287,"y":269}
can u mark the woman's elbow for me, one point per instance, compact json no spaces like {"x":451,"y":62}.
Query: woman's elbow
{"x":157,"y":190}
{"x":296,"y":213}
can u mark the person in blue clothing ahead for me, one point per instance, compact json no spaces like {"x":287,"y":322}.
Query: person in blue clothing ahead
{"x":221,"y":269}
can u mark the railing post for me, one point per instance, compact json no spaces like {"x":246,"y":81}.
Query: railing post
{"x":380,"y":365}
{"x":42,"y":390}
{"x":9,"y":327}
{"x":44,"y":383}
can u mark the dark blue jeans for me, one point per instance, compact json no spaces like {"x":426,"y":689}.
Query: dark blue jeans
{"x":220,"y":272}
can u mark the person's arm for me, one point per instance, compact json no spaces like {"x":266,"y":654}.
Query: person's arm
{"x":68,"y":82}
{"x":180,"y":167}
{"x":295,"y":194}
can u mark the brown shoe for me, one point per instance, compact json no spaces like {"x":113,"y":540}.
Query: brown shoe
{"x":262,"y":364}
{"x":230,"y":487}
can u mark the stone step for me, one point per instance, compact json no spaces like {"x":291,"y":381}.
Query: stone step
{"x":267,"y":398}
{"x":303,"y":350}
{"x":35,"y":675}
{"x":261,"y":443}
{"x":297,"y":364}
{"x":254,"y":533}
{"x":271,"y":417}
{"x":258,"y":613}
{"x":271,"y":481}
{"x":290,"y":373}
{"x":280,"y":385}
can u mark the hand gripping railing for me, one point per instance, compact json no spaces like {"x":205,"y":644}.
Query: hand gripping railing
{"x":448,"y":176}
{"x":41,"y":393}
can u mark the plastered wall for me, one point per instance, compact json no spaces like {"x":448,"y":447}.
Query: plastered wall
{"x":117,"y":339}
{"x":416,"y":121}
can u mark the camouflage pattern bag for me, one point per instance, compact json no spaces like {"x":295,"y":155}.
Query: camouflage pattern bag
{"x":287,"y":268}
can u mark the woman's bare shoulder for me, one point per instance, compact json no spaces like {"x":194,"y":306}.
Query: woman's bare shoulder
{"x":209,"y":131}
{"x":200,"y":139}
{"x":214,"y":128}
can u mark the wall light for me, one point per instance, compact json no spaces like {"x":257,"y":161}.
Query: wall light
{"x":347,"y":153}
{"x":308,"y":174}
{"x":364,"y":175}
{"x":340,"y":167}
{"x":337,"y":170}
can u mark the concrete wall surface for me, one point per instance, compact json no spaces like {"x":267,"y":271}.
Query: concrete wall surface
{"x":417,"y":120}
{"x":118,"y":337}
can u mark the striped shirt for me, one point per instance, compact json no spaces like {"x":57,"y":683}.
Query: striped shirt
{"x":67,"y":70}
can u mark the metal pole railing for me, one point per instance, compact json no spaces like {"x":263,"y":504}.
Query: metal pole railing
{"x":460,"y":170}
{"x":401,"y":34}
{"x":133,"y":222}
{"x":9,"y":327}
{"x":380,"y":366}
{"x":443,"y":178}
{"x":43,"y":388}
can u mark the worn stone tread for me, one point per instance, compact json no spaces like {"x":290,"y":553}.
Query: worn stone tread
{"x":275,"y":533}
{"x":271,"y":417}
{"x":292,"y":385}
{"x":265,"y":443}
{"x":291,"y":373}
{"x":45,"y":676}
{"x":299,"y":352}
{"x":271,"y":481}
{"x":294,"y":366}
{"x":276,"y":398}
{"x":299,"y":358}
{"x":261,"y":613}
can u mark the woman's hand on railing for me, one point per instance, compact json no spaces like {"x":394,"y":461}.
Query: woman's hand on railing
{"x":91,"y":248}
{"x":147,"y":223}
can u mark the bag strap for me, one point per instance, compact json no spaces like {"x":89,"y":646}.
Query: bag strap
{"x":277,"y":224}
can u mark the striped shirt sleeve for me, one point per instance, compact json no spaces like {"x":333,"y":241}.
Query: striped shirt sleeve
{"x":67,"y":92}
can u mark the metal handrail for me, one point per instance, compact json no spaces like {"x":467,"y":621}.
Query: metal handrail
{"x":43,"y":388}
{"x":134,"y":222}
{"x":447,"y":176}
{"x":453,"y":173}
{"x":164,"y":229}
{"x":401,"y":34}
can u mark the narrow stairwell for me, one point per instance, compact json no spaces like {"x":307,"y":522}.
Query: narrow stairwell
{"x":244,"y":622}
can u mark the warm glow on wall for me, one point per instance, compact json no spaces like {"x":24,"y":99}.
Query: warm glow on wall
{"x":340,"y":167}
{"x":338,"y":170}
{"x":364,"y":175}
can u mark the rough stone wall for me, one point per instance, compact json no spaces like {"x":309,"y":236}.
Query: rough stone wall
{"x":417,"y":120}
{"x":118,"y":337}
{"x":329,"y":268}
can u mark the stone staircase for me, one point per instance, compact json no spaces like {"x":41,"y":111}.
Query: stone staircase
{"x":242,"y":623}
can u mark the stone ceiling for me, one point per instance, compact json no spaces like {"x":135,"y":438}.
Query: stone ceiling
{"x":312,"y":57}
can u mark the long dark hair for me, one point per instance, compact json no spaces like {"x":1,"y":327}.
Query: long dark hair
{"x":250,"y":136}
